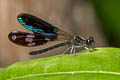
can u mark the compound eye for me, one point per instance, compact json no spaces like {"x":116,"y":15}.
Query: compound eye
{"x":93,"y":42}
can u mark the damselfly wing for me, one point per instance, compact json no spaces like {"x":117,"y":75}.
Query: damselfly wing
{"x":37,"y":25}
{"x":42,"y":32}
{"x":28,"y":39}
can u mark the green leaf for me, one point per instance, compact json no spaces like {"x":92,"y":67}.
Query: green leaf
{"x":100,"y":64}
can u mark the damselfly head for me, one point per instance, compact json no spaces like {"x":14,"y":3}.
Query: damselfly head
{"x":90,"y":42}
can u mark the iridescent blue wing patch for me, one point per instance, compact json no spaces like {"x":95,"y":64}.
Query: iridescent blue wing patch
{"x":42,"y":33}
{"x":37,"y":25}
{"x":29,"y":39}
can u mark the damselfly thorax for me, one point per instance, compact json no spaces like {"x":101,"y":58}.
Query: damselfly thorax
{"x":44,"y":32}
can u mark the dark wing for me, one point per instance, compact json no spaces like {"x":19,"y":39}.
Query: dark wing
{"x":37,"y":25}
{"x":43,"y":32}
{"x":29,"y":39}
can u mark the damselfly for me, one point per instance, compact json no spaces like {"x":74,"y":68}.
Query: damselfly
{"x":43,"y":32}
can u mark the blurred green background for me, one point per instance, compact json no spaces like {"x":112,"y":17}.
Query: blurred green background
{"x":108,"y":11}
